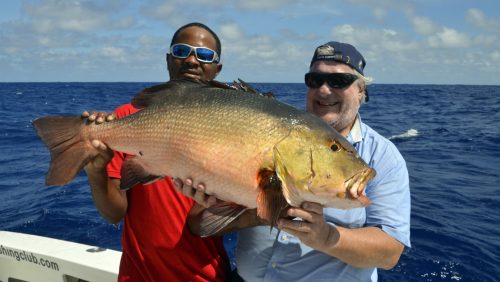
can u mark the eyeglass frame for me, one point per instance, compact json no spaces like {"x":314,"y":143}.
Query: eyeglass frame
{"x":324,"y":77}
{"x":215,"y":58}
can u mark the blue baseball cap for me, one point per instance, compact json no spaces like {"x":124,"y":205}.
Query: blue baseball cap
{"x":340,"y":52}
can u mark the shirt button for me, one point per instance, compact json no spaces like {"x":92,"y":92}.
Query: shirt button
{"x":273,"y":265}
{"x":284,"y":237}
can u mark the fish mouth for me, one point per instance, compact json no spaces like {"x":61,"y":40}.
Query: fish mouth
{"x":356,"y":184}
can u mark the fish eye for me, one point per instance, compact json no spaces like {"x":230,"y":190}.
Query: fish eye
{"x":335,"y":147}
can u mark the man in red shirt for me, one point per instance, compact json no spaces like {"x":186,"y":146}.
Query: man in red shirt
{"x":157,"y":245}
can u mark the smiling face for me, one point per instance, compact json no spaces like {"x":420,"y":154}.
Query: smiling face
{"x":337,"y":107}
{"x":190,"y":67}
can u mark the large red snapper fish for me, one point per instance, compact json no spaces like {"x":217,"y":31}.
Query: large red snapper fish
{"x":251,"y":151}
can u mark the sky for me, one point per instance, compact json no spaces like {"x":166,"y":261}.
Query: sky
{"x":409,"y":42}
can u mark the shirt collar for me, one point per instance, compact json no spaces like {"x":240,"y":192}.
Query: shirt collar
{"x":356,"y":135}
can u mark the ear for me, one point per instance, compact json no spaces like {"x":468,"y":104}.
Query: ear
{"x":361,"y":94}
{"x":219,"y":68}
{"x":168,"y":59}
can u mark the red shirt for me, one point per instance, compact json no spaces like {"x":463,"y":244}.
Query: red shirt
{"x":157,"y":245}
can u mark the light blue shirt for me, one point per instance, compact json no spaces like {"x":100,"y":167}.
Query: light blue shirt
{"x":265,"y":255}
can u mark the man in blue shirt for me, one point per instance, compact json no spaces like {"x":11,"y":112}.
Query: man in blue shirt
{"x":332,"y":244}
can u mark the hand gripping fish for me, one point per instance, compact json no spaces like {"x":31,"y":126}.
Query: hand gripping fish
{"x":249,"y":150}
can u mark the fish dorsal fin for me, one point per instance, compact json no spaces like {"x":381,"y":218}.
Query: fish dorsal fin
{"x":133,"y":172}
{"x":239,"y":85}
{"x":243,"y":86}
{"x":270,"y":200}
{"x":156,"y":93}
{"x":218,"y":84}
{"x":218,"y":216}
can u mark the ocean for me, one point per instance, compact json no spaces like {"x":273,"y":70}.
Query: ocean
{"x":449,"y":136}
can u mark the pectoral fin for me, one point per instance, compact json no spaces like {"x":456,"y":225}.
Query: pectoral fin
{"x":217,"y":217}
{"x":270,"y":200}
{"x":134,"y":172}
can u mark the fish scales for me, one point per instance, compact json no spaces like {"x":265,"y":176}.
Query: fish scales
{"x":224,"y":138}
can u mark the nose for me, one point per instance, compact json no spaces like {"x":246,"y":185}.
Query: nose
{"x":324,"y":90}
{"x":191,"y":59}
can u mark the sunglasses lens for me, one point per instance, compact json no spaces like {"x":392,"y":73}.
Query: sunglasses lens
{"x":334,"y":80}
{"x":314,"y":80}
{"x":341,"y":80}
{"x":181,"y":50}
{"x":205,"y":55}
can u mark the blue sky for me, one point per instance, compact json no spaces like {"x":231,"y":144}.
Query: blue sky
{"x":421,"y":41}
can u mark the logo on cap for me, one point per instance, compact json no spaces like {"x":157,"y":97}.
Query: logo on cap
{"x":325,"y":50}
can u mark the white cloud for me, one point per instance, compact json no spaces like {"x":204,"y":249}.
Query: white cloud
{"x":485,"y":40}
{"x":379,"y":14}
{"x":375,"y":39}
{"x":262,"y":4}
{"x":51,"y":16}
{"x":479,"y":19}
{"x":424,"y":26}
{"x":231,"y":32}
{"x":449,"y":38}
{"x":114,"y":53}
{"x":495,"y":56}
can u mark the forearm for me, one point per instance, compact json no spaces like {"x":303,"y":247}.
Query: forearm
{"x":109,"y":200}
{"x":363,"y":247}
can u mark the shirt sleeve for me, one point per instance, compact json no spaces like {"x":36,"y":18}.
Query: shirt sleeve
{"x":389,"y":193}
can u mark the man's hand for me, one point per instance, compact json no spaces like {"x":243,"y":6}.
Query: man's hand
{"x":311,"y":228}
{"x":105,"y":154}
{"x":196,"y":193}
{"x":98,"y":117}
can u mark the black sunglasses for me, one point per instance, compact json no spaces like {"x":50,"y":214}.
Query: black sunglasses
{"x":337,"y":80}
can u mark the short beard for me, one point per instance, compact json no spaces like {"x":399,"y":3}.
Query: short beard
{"x":346,"y":119}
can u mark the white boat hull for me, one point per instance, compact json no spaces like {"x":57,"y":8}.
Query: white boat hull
{"x":36,"y":258}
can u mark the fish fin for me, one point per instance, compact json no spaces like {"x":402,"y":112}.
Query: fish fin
{"x":218,"y":84}
{"x":155,"y":94}
{"x":68,"y":151}
{"x":218,"y":216}
{"x":245,"y":87}
{"x":133,"y":172}
{"x":290,"y":192}
{"x":248,"y":88}
{"x":239,"y":85}
{"x":270,"y":200}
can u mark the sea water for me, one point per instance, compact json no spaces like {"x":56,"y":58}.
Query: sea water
{"x":449,"y":136}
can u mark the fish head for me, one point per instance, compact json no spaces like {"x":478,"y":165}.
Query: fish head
{"x":322,"y":168}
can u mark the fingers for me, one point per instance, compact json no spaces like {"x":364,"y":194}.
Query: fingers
{"x":196,"y":193}
{"x":104,"y":152}
{"x":313,"y":207}
{"x":294,"y":225}
{"x":177,"y":184}
{"x":97,"y":117}
{"x":310,"y":212}
{"x":102,"y":148}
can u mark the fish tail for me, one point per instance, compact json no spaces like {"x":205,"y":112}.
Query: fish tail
{"x":69,"y":150}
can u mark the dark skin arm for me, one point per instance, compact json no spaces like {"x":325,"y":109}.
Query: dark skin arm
{"x":109,"y":200}
{"x":197,"y":192}
{"x":359,"y":247}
